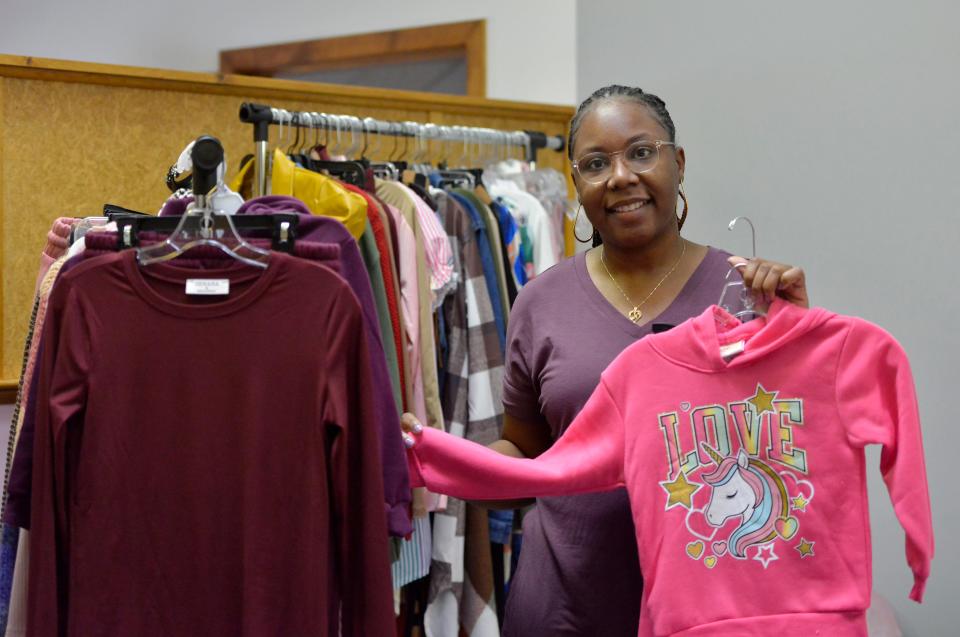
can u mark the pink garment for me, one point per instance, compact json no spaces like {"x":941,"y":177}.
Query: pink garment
{"x":410,"y":308}
{"x":45,"y":262}
{"x":746,"y":478}
{"x":44,"y":289}
{"x":436,"y":246}
{"x":58,"y":240}
{"x":410,"y":312}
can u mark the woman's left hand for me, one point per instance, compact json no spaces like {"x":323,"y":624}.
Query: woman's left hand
{"x":769,"y":279}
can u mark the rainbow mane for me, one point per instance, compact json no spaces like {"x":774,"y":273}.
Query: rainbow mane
{"x":770,"y":500}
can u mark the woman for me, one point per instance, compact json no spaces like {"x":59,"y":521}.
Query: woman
{"x":579,"y":572}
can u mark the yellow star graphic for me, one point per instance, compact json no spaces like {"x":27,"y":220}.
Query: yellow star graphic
{"x":763,"y":400}
{"x":800,"y":503}
{"x":805,"y":547}
{"x":680,"y":491}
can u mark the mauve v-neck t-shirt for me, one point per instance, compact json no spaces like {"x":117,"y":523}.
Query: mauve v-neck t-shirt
{"x":579,"y":572}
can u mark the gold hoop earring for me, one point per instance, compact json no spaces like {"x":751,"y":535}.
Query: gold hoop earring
{"x":683,"y":215}
{"x":575,"y":235}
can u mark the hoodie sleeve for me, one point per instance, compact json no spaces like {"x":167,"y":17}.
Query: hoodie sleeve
{"x":878,"y":404}
{"x":587,"y":458}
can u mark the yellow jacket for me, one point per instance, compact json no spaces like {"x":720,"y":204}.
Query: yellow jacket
{"x":323,"y":195}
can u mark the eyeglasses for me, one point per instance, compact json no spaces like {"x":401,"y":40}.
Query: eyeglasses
{"x":640,"y":157}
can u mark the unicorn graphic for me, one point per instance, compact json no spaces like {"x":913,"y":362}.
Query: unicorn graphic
{"x":747,"y":488}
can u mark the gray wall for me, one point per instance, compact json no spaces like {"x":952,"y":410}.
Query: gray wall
{"x":833,"y":126}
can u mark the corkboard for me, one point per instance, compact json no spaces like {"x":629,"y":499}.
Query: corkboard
{"x":74,"y":136}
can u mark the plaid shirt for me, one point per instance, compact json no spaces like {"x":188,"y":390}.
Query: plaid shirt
{"x":472,"y":408}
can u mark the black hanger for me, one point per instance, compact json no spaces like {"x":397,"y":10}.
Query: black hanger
{"x":111,"y":210}
{"x":351,"y":172}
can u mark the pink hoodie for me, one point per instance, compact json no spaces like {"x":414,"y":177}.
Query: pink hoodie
{"x":746,"y":477}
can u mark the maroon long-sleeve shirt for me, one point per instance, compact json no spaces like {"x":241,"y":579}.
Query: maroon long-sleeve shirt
{"x":206,"y":465}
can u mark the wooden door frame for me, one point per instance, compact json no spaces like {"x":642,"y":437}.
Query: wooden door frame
{"x":437,"y":42}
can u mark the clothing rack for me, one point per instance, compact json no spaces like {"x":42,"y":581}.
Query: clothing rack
{"x":262,"y":116}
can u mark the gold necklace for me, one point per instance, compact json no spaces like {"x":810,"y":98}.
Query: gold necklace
{"x":636,"y":313}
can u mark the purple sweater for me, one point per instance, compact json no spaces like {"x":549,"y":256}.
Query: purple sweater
{"x":396,"y":479}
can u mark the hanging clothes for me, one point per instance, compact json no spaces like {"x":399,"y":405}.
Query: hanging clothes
{"x":461,"y":587}
{"x":351,"y":266}
{"x":410,"y":306}
{"x":323,"y":195}
{"x":511,"y":240}
{"x":387,"y":269}
{"x":12,"y":551}
{"x":490,"y":275}
{"x":492,"y":226}
{"x":20,"y":463}
{"x":399,"y":196}
{"x":534,"y":217}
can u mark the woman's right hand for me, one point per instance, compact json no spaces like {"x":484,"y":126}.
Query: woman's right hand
{"x":410,"y":425}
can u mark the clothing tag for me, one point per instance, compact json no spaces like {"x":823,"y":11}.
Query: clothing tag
{"x":732,"y":349}
{"x":208,"y":287}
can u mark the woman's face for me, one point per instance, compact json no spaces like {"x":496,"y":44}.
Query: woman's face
{"x":629,"y":210}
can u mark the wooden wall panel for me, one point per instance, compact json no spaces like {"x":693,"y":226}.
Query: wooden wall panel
{"x":75,"y":136}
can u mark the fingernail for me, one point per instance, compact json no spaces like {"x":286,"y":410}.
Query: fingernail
{"x":408,"y":441}
{"x":417,"y":428}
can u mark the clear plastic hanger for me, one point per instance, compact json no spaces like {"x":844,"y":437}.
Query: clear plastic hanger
{"x":747,"y":300}
{"x":201,"y":224}
{"x":82,"y":227}
{"x":383,"y":169}
{"x":222,"y":199}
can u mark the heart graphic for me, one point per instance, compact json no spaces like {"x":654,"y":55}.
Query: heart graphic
{"x":699,"y":522}
{"x":804,"y":487}
{"x":720,"y":548}
{"x":786,"y":527}
{"x":695,"y":549}
{"x":685,"y":406}
{"x":710,"y":561}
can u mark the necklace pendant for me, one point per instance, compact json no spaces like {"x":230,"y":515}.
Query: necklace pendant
{"x":635,"y":314}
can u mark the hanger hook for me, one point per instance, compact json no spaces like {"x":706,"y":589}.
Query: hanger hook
{"x":753,"y":232}
{"x":318,"y":122}
{"x":421,"y":142}
{"x":278,"y":118}
{"x":432,"y":132}
{"x":298,"y":124}
{"x":355,"y":137}
{"x":444,"y":135}
{"x":366,"y":136}
{"x":308,"y":120}
{"x":336,"y":124}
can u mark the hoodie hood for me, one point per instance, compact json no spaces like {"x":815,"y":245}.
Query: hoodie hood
{"x":696,"y":343}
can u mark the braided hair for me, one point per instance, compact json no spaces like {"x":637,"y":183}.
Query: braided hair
{"x":615,"y":91}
